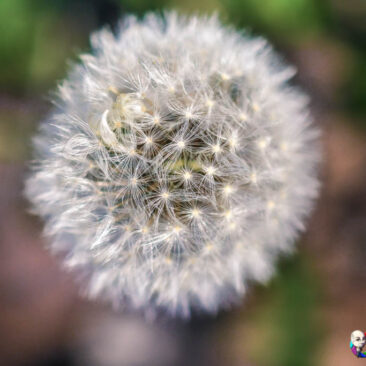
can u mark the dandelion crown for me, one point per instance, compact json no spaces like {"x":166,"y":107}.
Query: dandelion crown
{"x":176,"y":166}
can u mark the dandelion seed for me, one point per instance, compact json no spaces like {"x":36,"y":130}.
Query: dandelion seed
{"x":228,"y":214}
{"x":210,"y":103}
{"x":255,"y":107}
{"x":216,"y":148}
{"x":270,"y":204}
{"x":187,"y":176}
{"x":188,"y":115}
{"x":165,"y":195}
{"x":228,"y":189}
{"x":284,"y":146}
{"x":181,"y":144}
{"x":243,"y":117}
{"x":127,"y":228}
{"x":233,"y":141}
{"x":263,"y":143}
{"x":225,"y":76}
{"x":134,"y":181}
{"x":156,"y":120}
{"x":148,"y":140}
{"x":210,"y":170}
{"x":117,"y":124}
{"x":177,"y":229}
{"x":196,"y":213}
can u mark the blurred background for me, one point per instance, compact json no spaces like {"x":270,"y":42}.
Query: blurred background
{"x":305,"y":315}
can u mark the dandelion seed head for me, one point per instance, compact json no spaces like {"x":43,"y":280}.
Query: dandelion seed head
{"x":174,"y":140}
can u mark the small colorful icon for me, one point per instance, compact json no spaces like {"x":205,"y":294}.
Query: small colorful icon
{"x":358,"y":341}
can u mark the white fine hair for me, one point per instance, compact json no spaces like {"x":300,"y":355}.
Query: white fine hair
{"x":177,"y":164}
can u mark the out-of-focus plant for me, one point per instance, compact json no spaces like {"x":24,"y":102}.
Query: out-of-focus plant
{"x":283,"y":19}
{"x":16,"y":42}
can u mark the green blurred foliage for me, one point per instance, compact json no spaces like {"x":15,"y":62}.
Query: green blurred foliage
{"x":140,"y":7}
{"x":35,"y":44}
{"x":283,"y":19}
{"x":286,"y":319}
{"x":17,"y":22}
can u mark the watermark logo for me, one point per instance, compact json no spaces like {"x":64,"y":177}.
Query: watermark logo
{"x":358,"y":341}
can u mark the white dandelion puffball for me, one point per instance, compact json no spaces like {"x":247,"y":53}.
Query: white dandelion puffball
{"x":177,"y":164}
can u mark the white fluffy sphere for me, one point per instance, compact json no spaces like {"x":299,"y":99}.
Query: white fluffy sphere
{"x":177,"y":164}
